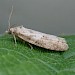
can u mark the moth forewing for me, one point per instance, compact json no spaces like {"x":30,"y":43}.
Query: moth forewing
{"x":40,"y":39}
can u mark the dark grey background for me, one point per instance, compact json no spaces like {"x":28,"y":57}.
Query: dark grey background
{"x":49,"y":16}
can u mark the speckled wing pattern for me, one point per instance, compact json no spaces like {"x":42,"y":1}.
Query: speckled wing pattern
{"x":40,"y":39}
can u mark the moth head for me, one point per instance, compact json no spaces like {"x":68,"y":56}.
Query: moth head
{"x":14,"y":28}
{"x":10,"y":30}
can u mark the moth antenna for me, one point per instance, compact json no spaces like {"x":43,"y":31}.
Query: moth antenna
{"x":10,"y":18}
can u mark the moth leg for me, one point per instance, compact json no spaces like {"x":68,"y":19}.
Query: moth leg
{"x":15,"y":40}
{"x":31,"y":47}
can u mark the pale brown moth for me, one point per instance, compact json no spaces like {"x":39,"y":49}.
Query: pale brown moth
{"x":37,"y":38}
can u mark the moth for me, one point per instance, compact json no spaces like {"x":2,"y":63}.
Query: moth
{"x":37,"y":38}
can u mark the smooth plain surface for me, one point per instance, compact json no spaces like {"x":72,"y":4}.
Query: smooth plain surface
{"x":49,"y":16}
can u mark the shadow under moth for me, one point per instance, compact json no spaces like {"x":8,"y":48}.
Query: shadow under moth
{"x":37,"y":38}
